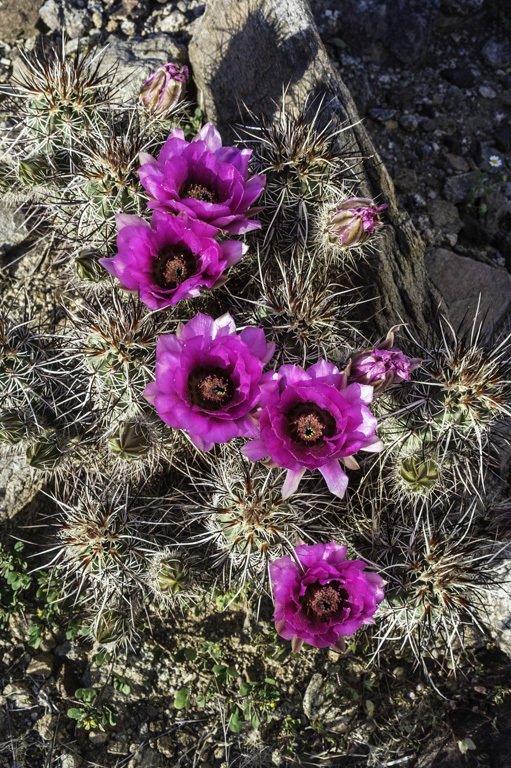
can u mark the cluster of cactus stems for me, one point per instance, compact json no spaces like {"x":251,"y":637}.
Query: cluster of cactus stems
{"x":147,"y":522}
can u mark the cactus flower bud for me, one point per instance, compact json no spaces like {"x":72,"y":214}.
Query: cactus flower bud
{"x":419,"y":475}
{"x":353,"y":222}
{"x":164,"y":89}
{"x":44,"y":455}
{"x":132,"y":441}
{"x":381,"y":366}
{"x":13,"y":427}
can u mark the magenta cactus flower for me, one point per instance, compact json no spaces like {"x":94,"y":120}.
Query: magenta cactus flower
{"x":208,"y":379}
{"x":164,"y":89}
{"x":170,"y":259}
{"x":382,"y":366}
{"x":321,"y":597}
{"x":205,"y":180}
{"x":313,"y":420}
{"x":354,"y":221}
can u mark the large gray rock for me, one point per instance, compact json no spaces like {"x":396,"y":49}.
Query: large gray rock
{"x":19,"y":484}
{"x":497,"y":608}
{"x":13,"y":229}
{"x":462,"y":7}
{"x":69,"y":15}
{"x":137,"y":59}
{"x":465,"y":283}
{"x":18,"y":18}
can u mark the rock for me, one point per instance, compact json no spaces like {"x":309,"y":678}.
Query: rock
{"x":444,"y":215}
{"x":19,"y":484}
{"x":41,"y":665}
{"x":401,"y":28}
{"x":462,"y":7}
{"x":461,"y":77}
{"x":319,"y":706}
{"x":457,"y":162}
{"x":98,"y":739}
{"x":147,"y":758}
{"x":497,"y":608}
{"x":18,"y":693}
{"x":66,"y":15}
{"x":406,"y":180}
{"x":497,"y":53}
{"x":165,"y":745}
{"x":174,"y":22}
{"x":13,"y":228}
{"x":68,"y":760}
{"x":67,"y":681}
{"x":486,"y":92}
{"x":45,"y":726}
{"x":502,"y":138}
{"x":464,"y":282}
{"x":382,"y":115}
{"x":457,"y":188}
{"x":137,"y":59}
{"x":408,"y":122}
{"x":18,"y":18}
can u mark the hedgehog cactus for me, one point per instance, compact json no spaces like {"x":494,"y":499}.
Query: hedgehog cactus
{"x":219,"y":396}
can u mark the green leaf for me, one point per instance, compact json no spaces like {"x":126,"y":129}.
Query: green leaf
{"x":182,"y":698}
{"x":235,"y":724}
{"x":245,"y":688}
{"x":269,"y":681}
{"x":255,"y":720}
{"x":466,"y":745}
{"x":370,"y":707}
{"x":75,"y":713}
{"x":85,"y":694}
{"x":219,"y":669}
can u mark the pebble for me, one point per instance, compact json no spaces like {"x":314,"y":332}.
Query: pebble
{"x":486,"y":92}
{"x":174,"y":22}
{"x":457,"y":162}
{"x":41,"y":665}
{"x":497,"y":53}
{"x":408,"y":122}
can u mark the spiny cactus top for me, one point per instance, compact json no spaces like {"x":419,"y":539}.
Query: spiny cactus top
{"x":311,"y":419}
{"x":170,"y":259}
{"x":208,"y":379}
{"x":204,"y":179}
{"x":321,"y":596}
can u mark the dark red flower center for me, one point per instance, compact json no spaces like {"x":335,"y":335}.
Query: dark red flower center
{"x":199,"y":192}
{"x":173,"y":266}
{"x":321,"y":601}
{"x":309,"y":424}
{"x":210,"y":388}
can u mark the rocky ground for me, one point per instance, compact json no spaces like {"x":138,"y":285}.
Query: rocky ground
{"x":433,"y":83}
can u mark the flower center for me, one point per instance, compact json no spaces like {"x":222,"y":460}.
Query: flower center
{"x":309,"y":424}
{"x":210,"y":388}
{"x":321,"y":601}
{"x":173,"y":266}
{"x":199,"y":192}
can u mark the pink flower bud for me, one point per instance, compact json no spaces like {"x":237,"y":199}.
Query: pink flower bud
{"x":164,"y":89}
{"x":353,"y":222}
{"x":381,"y":366}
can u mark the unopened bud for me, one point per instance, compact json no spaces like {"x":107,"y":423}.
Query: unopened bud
{"x":12,"y":427}
{"x":110,"y":627}
{"x":131,"y":442}
{"x":171,"y":576}
{"x":382,"y":365}
{"x":44,"y":455}
{"x":88,"y":268}
{"x":419,"y":474}
{"x":353,"y":222}
{"x":34,"y":171}
{"x":164,"y":89}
